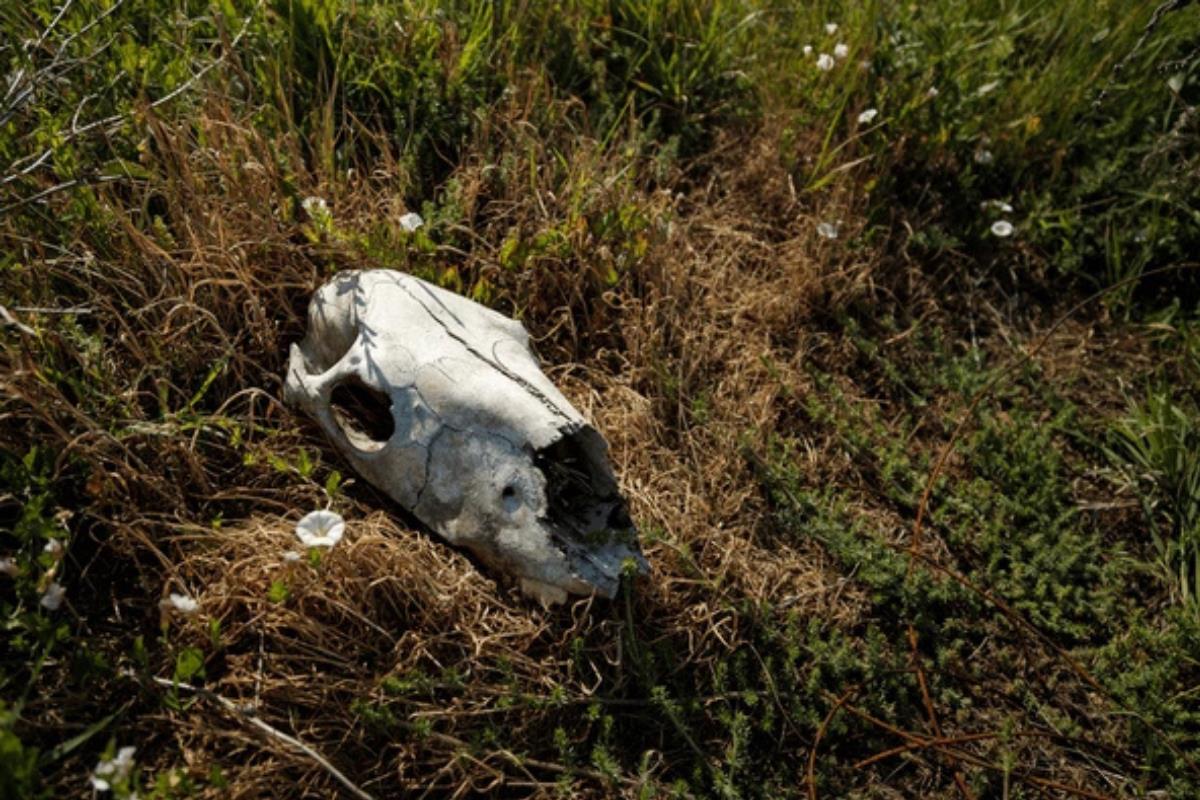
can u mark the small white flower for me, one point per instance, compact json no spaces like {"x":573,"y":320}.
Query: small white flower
{"x":831,"y":28}
{"x":53,"y":596}
{"x":315,"y":207}
{"x":291,"y":557}
{"x":825,"y":62}
{"x":807,"y":50}
{"x":828,"y":230}
{"x":1175,"y":83}
{"x":8,"y":566}
{"x":181,"y":603}
{"x":411,"y":221}
{"x":984,"y":157}
{"x":868,"y":116}
{"x":931,"y":92}
{"x":113,"y":770}
{"x":840,"y":50}
{"x":1002,"y":228}
{"x":124,"y":759}
{"x":53,"y":547}
{"x":998,"y":205}
{"x":321,"y":529}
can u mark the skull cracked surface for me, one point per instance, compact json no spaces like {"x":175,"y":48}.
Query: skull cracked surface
{"x":440,"y":402}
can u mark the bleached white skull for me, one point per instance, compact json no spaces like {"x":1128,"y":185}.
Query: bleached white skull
{"x":440,"y":402}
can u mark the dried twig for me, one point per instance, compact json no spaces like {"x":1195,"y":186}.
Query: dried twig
{"x":7,"y":320}
{"x":812,"y":753}
{"x":109,"y":123}
{"x":271,"y":731}
{"x":959,"y":780}
{"x":1164,"y":8}
{"x":946,"y":748}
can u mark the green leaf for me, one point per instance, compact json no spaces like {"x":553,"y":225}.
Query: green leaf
{"x":67,"y":747}
{"x":214,"y":632}
{"x":278,"y":592}
{"x":332,"y":483}
{"x":188,"y":664}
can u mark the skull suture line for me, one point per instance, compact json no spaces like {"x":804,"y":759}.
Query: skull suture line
{"x":439,"y":402}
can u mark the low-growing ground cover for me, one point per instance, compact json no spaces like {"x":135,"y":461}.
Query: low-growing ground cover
{"x":888,"y":311}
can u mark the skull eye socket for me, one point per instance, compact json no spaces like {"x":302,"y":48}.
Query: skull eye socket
{"x":364,"y":414}
{"x":509,"y":498}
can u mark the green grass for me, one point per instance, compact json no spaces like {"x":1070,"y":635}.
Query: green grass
{"x":157,"y":254}
{"x":1034,"y":568}
{"x":1156,"y":447}
{"x":1096,"y":163}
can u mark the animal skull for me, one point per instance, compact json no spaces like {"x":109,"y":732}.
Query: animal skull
{"x":439,"y":402}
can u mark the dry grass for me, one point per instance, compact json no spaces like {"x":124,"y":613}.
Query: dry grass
{"x":712,"y":309}
{"x":694,"y":358}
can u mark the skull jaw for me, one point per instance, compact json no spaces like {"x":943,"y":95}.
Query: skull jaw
{"x":628,"y":561}
{"x":545,"y":593}
{"x":549,"y":560}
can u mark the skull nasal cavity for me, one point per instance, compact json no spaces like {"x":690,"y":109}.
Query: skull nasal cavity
{"x":364,"y":414}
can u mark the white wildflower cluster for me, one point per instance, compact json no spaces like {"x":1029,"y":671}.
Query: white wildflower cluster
{"x":411,"y":221}
{"x":829,"y":230}
{"x":53,"y":597}
{"x":983,"y":155}
{"x":54,"y":593}
{"x":825,"y":61}
{"x":182,"y":604}
{"x":868,"y":116}
{"x":319,"y":214}
{"x":1001,"y":228}
{"x":315,"y":207}
{"x":113,"y":770}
